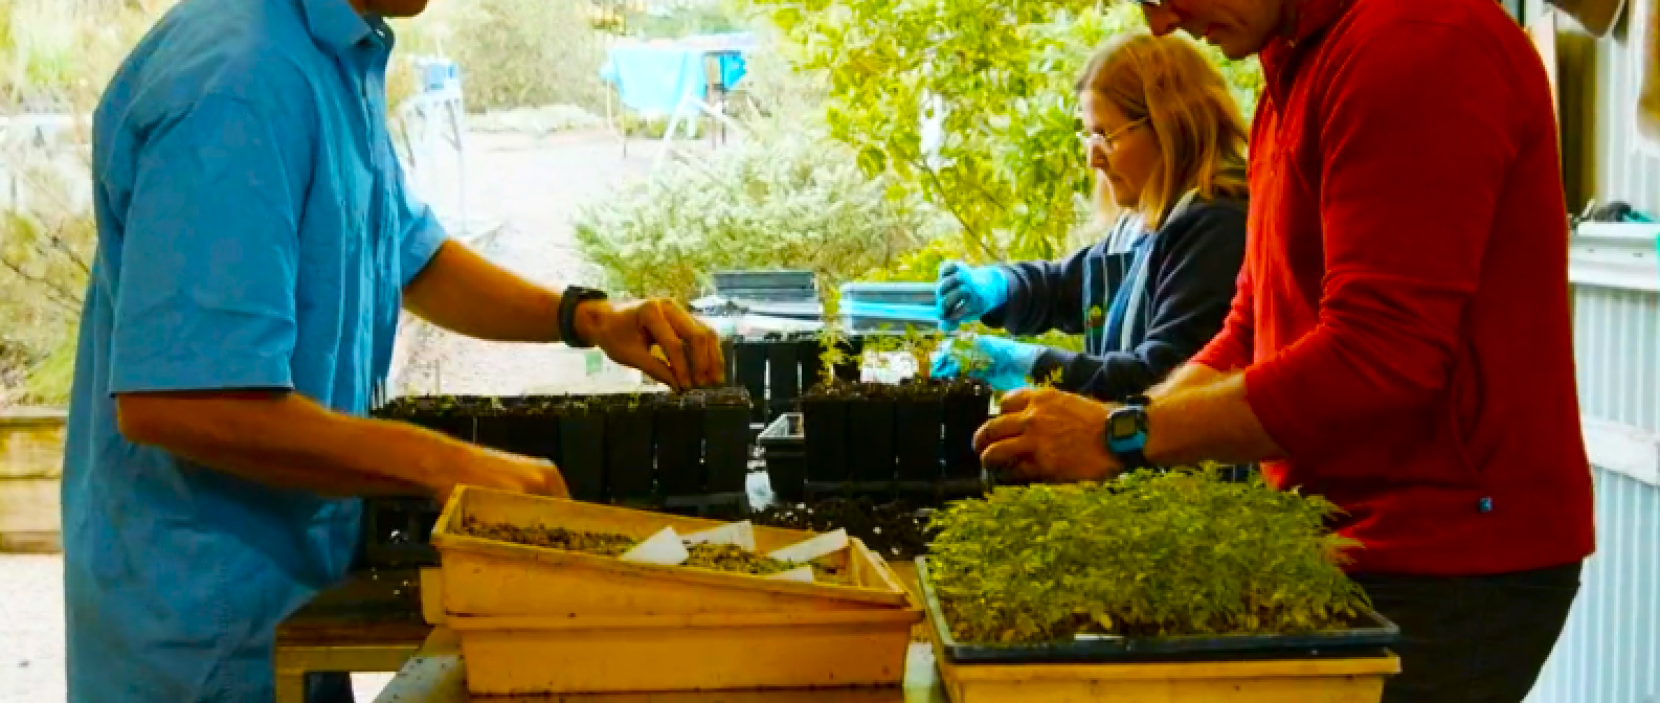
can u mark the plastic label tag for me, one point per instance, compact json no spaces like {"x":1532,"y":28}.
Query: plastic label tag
{"x":803,"y":552}
{"x":663,"y":548}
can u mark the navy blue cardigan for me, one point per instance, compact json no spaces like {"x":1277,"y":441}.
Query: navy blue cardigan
{"x":1187,"y":286}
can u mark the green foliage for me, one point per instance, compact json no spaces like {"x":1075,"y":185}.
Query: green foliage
{"x":525,"y":53}
{"x":46,"y":250}
{"x":1182,"y":553}
{"x":779,"y":198}
{"x":58,"y":56}
{"x":1009,"y":167}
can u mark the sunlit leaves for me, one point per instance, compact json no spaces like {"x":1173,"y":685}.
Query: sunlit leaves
{"x":1010,"y":169}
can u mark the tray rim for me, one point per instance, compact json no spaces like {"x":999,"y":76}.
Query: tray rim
{"x":1138,"y":650}
{"x":444,"y":539}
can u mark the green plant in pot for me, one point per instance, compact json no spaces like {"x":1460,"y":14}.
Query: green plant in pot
{"x":1151,"y":554}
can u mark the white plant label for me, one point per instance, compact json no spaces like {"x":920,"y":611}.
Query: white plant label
{"x":803,"y":552}
{"x":663,"y":548}
{"x":803,"y":574}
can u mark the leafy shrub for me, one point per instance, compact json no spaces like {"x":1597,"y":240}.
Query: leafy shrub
{"x":57,"y":56}
{"x":998,"y":75}
{"x":1149,"y":554}
{"x":775,"y":199}
{"x":525,"y":53}
{"x":46,"y":252}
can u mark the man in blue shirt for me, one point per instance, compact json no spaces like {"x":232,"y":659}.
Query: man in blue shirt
{"x":256,"y":245}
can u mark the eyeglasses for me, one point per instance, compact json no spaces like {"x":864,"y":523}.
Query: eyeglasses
{"x":1109,"y":141}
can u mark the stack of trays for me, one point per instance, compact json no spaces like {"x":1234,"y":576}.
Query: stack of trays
{"x":537,"y":620}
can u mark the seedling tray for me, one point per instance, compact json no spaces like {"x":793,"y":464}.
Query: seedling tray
{"x":1370,"y":639}
{"x":492,"y":577}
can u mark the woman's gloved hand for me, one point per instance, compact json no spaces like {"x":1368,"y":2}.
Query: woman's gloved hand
{"x":965,"y":293}
{"x":1003,"y":363}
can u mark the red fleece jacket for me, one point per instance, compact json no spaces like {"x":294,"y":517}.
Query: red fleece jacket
{"x":1402,"y":315}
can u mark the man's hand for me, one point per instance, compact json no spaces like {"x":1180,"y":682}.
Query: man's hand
{"x":1049,"y":435}
{"x":627,"y":333}
{"x":489,"y":468}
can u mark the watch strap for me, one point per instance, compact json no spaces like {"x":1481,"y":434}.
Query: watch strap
{"x":568,"y":302}
{"x":1126,"y":435}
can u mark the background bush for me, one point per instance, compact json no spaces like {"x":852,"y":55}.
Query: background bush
{"x":523,"y":53}
{"x":783,"y":198}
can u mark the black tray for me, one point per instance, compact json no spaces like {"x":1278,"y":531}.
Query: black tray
{"x":1371,"y":640}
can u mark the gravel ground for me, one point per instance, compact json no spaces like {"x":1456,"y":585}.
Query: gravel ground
{"x":527,"y":228}
{"x":523,"y":189}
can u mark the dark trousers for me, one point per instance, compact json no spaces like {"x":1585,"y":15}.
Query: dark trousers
{"x":1472,"y":639}
{"x":328,"y":687}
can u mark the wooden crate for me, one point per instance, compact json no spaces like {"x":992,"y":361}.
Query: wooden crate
{"x":691,"y":652}
{"x":484,"y":577}
{"x":1271,"y":681}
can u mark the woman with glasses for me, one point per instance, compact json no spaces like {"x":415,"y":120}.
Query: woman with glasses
{"x":1167,"y":144}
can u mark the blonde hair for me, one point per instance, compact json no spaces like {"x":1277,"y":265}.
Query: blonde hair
{"x":1185,"y":101}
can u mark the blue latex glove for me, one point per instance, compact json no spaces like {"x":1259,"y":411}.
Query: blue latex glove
{"x":1003,"y":363}
{"x":965,"y":293}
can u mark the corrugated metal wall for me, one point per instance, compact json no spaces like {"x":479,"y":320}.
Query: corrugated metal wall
{"x":1610,"y":652}
{"x":1617,"y":350}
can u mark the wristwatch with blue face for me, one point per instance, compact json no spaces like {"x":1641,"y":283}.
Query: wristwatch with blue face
{"x":1127,"y":432}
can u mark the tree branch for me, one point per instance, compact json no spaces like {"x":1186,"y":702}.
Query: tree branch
{"x":70,"y":301}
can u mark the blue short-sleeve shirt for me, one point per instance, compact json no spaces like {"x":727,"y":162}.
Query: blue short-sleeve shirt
{"x":253,"y":233}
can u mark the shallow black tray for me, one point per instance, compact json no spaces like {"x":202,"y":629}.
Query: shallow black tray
{"x":1371,"y":640}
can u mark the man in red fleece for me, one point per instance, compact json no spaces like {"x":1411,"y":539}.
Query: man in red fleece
{"x":1400,"y":338}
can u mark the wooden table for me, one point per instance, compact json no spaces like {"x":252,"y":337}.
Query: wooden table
{"x":436,"y":674}
{"x":372,"y":622}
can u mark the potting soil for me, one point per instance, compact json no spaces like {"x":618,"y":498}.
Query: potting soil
{"x":720,"y":557}
{"x":895,"y":530}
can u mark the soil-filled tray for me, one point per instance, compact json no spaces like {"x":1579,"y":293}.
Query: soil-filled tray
{"x":1367,"y":639}
{"x":495,"y":577}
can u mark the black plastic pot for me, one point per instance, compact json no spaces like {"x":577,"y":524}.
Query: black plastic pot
{"x":729,"y":357}
{"x":450,"y":415}
{"x":783,"y":377}
{"x":751,"y":365}
{"x":397,"y":530}
{"x":825,"y":429}
{"x":527,"y":426}
{"x":919,"y":419}
{"x":784,"y":449}
{"x":726,"y":441}
{"x":810,"y":355}
{"x":629,"y":471}
{"x":870,"y":426}
{"x":967,"y":407}
{"x":679,"y":434}
{"x":582,"y":450}
{"x":852,"y":350}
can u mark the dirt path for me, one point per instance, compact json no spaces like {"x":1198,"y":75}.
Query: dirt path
{"x":524,"y":193}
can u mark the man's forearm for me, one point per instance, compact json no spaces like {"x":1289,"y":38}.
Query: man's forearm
{"x":465,"y":293}
{"x":1186,"y":377}
{"x":289,"y":441}
{"x":1206,"y":422}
